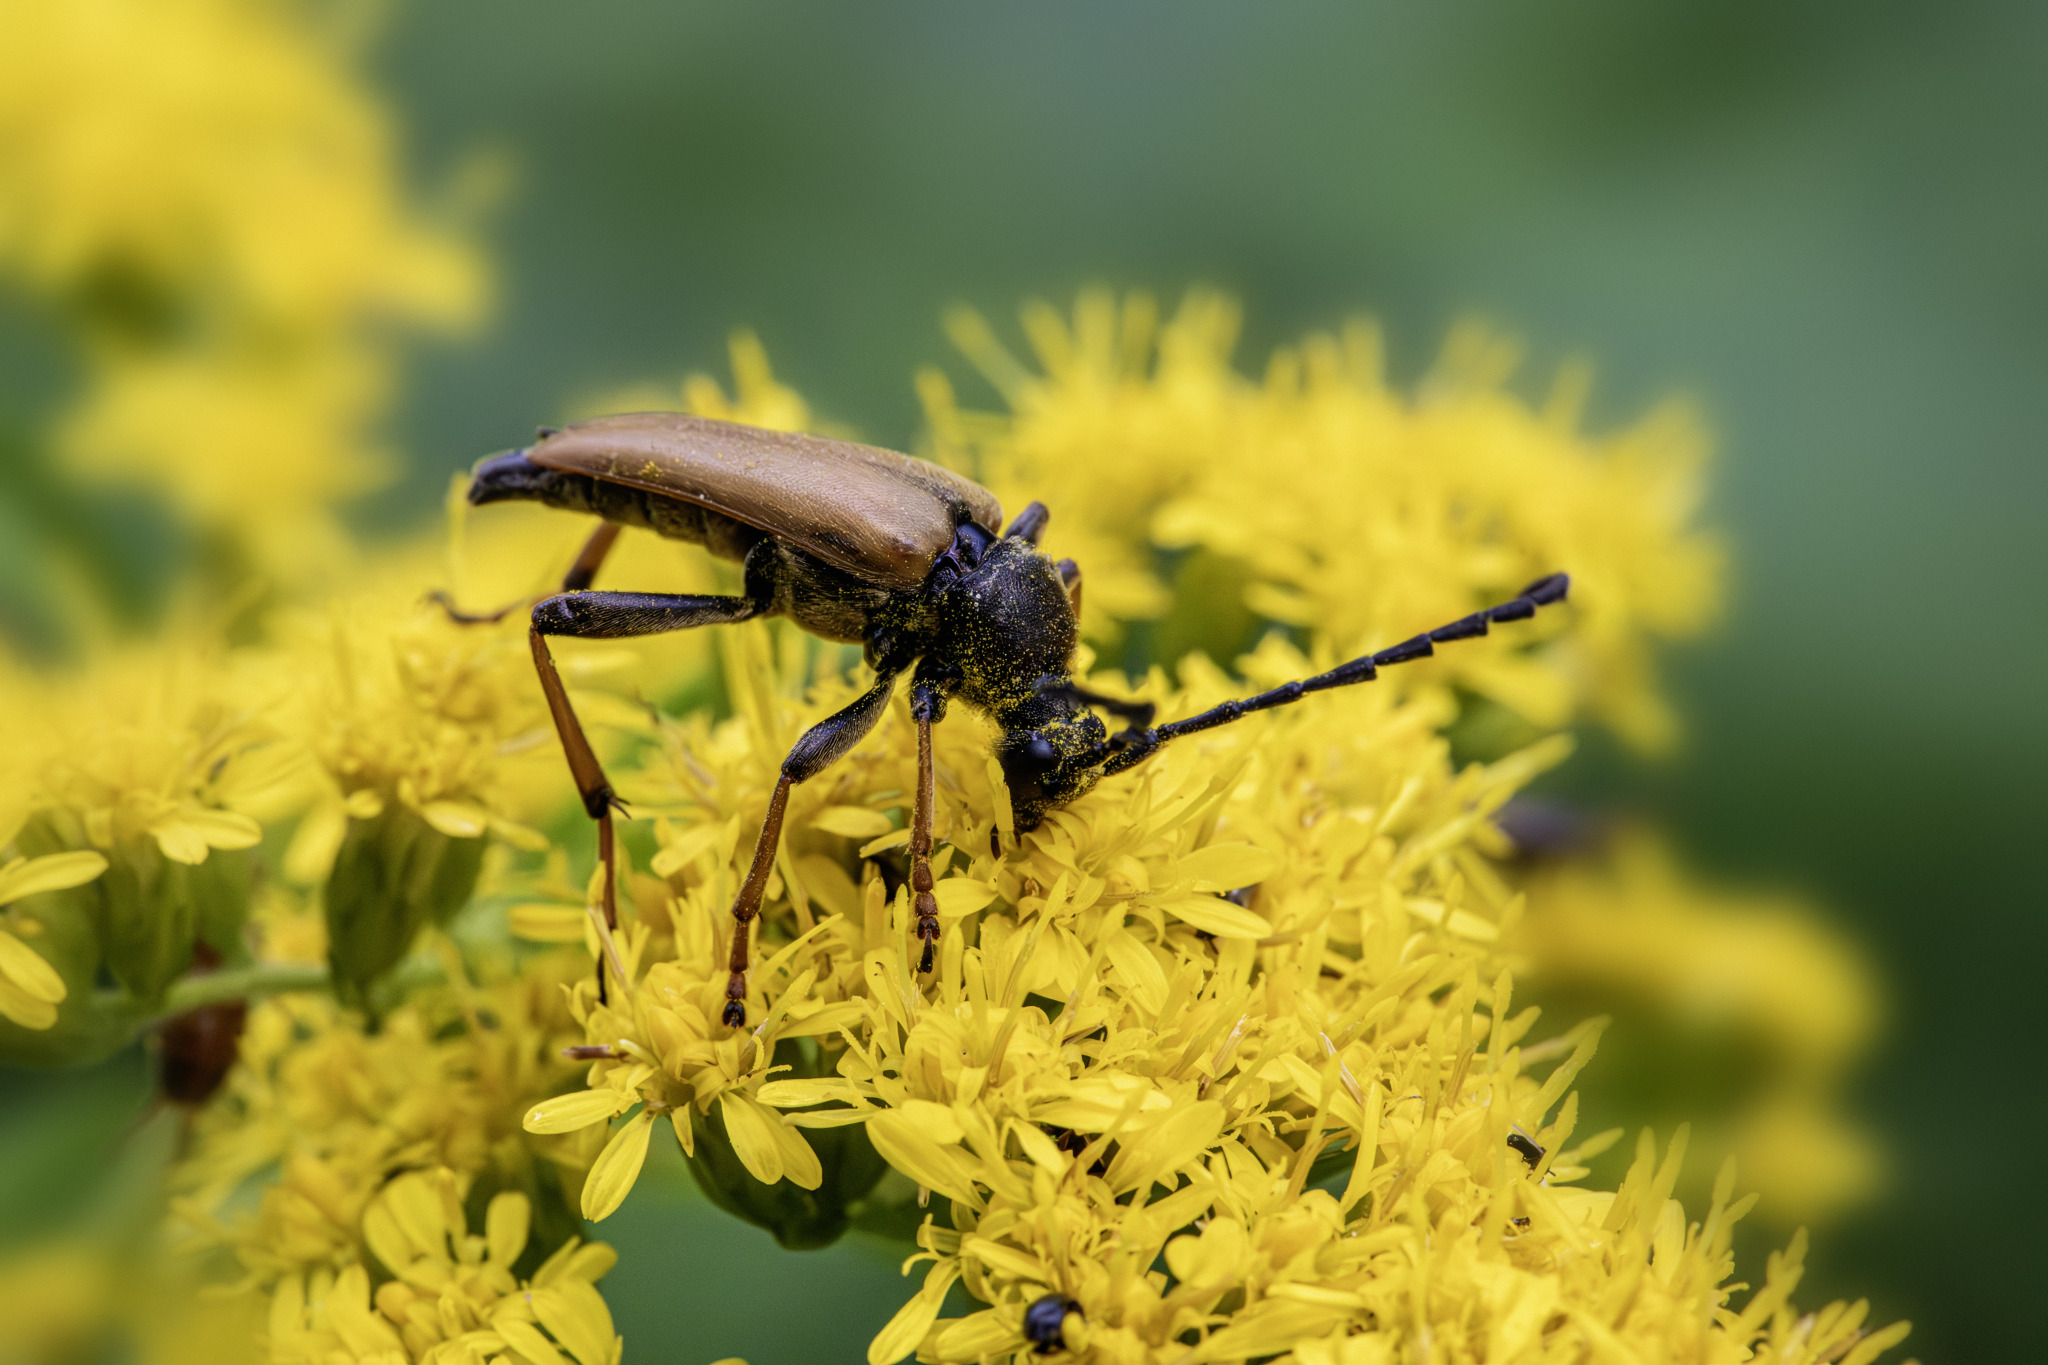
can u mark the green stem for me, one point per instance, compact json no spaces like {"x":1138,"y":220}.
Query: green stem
{"x":241,"y":983}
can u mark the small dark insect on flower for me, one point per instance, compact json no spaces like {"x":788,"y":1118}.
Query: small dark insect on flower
{"x":1530,"y":1151}
{"x":197,"y":1049}
{"x":1043,"y":1320}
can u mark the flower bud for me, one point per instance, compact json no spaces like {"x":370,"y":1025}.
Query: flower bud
{"x":799,"y":1218}
{"x":393,"y":874}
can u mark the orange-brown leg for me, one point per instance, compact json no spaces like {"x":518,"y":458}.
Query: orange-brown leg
{"x":746,"y":907}
{"x":927,"y":707}
{"x":1070,"y":575}
{"x":921,"y":847}
{"x":591,"y":784}
{"x":821,"y":746}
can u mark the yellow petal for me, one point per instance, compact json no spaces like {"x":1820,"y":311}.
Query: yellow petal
{"x":539,"y":923}
{"x":907,"y":1147}
{"x":692,"y":844}
{"x":348,"y":1312}
{"x":618,"y":1166}
{"x":1216,"y":916}
{"x":188,"y":833}
{"x":752,"y":1132}
{"x":575,"y":1315}
{"x":506,"y":1223}
{"x":935,"y":1121}
{"x":959,"y":896}
{"x":526,"y":1339}
{"x":592,"y":1261}
{"x":310,"y":855}
{"x":414,"y":1202}
{"x":567,"y":1113}
{"x":1142,"y":970}
{"x":288,"y":1308}
{"x":180,"y":842}
{"x":979,"y":1335}
{"x":388,"y":1241}
{"x":51,"y":872}
{"x":800,"y":1166}
{"x":23,"y":1008}
{"x":1183,"y":1135}
{"x":895,"y":838}
{"x":525,"y":838}
{"x":25,"y":968}
{"x":1226,"y":867}
{"x":800,"y":1094}
{"x":854,"y":822}
{"x":904,"y":1331}
{"x":457,"y":819}
{"x":999,"y":794}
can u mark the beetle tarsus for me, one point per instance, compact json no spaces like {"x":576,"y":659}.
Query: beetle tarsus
{"x":446,"y":603}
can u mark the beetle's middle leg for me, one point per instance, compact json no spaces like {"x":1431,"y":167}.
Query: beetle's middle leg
{"x":608,"y":616}
{"x":821,"y":746}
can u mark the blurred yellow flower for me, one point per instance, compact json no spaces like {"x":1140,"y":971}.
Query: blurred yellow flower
{"x":338,"y":1109}
{"x":206,"y":192}
{"x":1762,"y":973}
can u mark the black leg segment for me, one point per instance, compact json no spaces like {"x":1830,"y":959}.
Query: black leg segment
{"x":617,"y":615}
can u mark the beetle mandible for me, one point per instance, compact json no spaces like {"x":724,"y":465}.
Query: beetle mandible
{"x":864,"y":546}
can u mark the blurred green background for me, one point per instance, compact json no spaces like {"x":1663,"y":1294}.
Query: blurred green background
{"x":1824,"y":222}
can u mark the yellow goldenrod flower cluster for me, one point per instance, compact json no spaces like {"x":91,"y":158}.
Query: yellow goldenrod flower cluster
{"x":1323,"y":1078}
{"x":337,"y":1110}
{"x":212,"y":202}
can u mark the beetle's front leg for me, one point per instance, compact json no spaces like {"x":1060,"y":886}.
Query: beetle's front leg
{"x":927,"y":707}
{"x":821,"y":746}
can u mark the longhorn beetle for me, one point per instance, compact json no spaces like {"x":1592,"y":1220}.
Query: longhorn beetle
{"x":872,"y":548}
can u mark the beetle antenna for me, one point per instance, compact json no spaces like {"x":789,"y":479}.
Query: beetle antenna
{"x":1142,"y":743}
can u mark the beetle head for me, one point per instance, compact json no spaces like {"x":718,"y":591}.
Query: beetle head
{"x":1050,"y":752}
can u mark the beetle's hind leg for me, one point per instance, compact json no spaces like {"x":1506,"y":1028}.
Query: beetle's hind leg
{"x":581,"y":575}
{"x":608,"y":616}
{"x":821,"y":746}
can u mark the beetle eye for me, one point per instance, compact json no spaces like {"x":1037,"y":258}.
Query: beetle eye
{"x":1039,"y":753}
